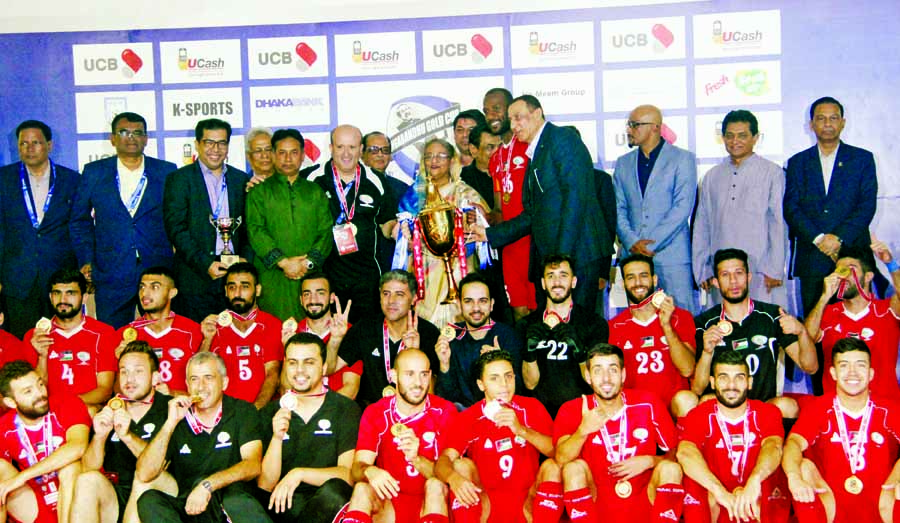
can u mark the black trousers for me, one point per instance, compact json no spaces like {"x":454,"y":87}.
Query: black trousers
{"x":234,"y":503}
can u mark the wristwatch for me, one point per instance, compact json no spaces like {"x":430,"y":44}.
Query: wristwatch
{"x":207,"y":485}
{"x":309,"y":264}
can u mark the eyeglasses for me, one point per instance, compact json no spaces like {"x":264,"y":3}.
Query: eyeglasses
{"x":256,"y":153}
{"x":128,"y":133}
{"x":213,"y":144}
{"x":634,"y":125}
{"x":439,"y":156}
{"x":374,"y":149}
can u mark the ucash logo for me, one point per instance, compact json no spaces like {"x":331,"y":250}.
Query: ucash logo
{"x":187,"y":63}
{"x":375,"y":57}
{"x":543,"y":48}
{"x":722,"y":36}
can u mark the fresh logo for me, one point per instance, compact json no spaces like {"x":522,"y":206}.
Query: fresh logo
{"x":752,"y":82}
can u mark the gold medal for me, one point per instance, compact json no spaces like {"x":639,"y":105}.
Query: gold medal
{"x":658,"y":298}
{"x":448,"y":332}
{"x":506,"y":197}
{"x":129,"y":335}
{"x":843,"y":272}
{"x":388,"y":391}
{"x":43,"y":326}
{"x":289,"y":325}
{"x":853,"y":485}
{"x":196,"y":398}
{"x":397,"y":429}
{"x":288,"y":401}
{"x":623,"y":489}
{"x":116,"y":404}
{"x":224,"y":319}
{"x":725,"y":327}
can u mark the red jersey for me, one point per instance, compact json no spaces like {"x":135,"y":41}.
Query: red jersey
{"x":507,"y":168}
{"x":246,"y":354}
{"x":334,"y":381}
{"x":375,"y":435}
{"x":174,"y":346}
{"x":24,"y":446}
{"x":648,"y":362}
{"x":504,"y":461}
{"x":644,"y":423}
{"x":78,"y":355}
{"x":879,"y":327}
{"x":12,"y":349}
{"x":733,"y":460}
{"x":818,"y":425}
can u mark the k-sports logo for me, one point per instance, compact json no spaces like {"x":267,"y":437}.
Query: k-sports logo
{"x":362,"y":56}
{"x":306,"y":57}
{"x":202,"y":109}
{"x":723,"y":36}
{"x":130,"y":59}
{"x":481,"y":48}
{"x":199,"y":65}
{"x":543,"y":48}
{"x":660,"y":37}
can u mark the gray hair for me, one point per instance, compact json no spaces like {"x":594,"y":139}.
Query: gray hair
{"x":256,"y":131}
{"x":206,"y":357}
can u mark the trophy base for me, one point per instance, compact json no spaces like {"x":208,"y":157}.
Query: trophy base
{"x":229,"y":259}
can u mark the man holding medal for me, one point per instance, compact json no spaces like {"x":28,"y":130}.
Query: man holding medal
{"x":857,"y":314}
{"x":607,"y":445}
{"x":841,"y":456}
{"x":397,"y":449}
{"x":310,"y":439}
{"x":360,"y":207}
{"x":247,"y":338}
{"x":41,"y":444}
{"x":106,"y":490}
{"x":730,"y":449}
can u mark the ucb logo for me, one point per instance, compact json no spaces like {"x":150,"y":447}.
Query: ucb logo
{"x":630,"y":40}
{"x":449,"y":50}
{"x":274,"y":58}
{"x":93,"y":157}
{"x":100,"y":64}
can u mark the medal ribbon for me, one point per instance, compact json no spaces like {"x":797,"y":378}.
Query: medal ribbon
{"x":387,"y":351}
{"x":564,"y":320}
{"x":29,"y":196}
{"x":396,"y":417}
{"x":222,"y":197}
{"x":129,"y":400}
{"x":460,"y":244}
{"x":462,"y":330}
{"x":346,"y":213}
{"x":842,"y":288}
{"x":135,"y":197}
{"x":643,"y":302}
{"x":144,"y":321}
{"x":30,"y":453}
{"x":196,"y":425}
{"x":249,"y":317}
{"x":623,"y":432}
{"x":418,"y":264}
{"x":507,"y":173}
{"x":750,"y":307}
{"x":852,"y":452}
{"x":745,"y":442}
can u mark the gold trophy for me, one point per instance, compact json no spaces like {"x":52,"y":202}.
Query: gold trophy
{"x":438,"y":220}
{"x":225,"y":227}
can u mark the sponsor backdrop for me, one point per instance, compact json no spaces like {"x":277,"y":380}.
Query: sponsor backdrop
{"x":410,"y":77}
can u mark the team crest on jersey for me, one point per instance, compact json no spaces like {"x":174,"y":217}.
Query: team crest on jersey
{"x":324,"y":428}
{"x":429,"y":438}
{"x":641,"y":434}
{"x":760,"y":340}
{"x":148,"y":430}
{"x":648,"y":341}
{"x":184,"y":449}
{"x":877,"y":438}
{"x":176,"y":354}
{"x":518,"y":161}
{"x":867,"y":334}
{"x":224,"y":440}
{"x":365,"y":200}
{"x":243,"y":350}
{"x":741,"y":344}
{"x":520,"y":441}
{"x":256,"y":349}
{"x":663,"y":340}
{"x":854,"y":437}
{"x":83,"y":357}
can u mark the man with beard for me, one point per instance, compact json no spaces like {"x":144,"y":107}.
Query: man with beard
{"x":360,"y":206}
{"x":731,"y":450}
{"x":75,"y":353}
{"x":106,"y":490}
{"x":213,"y":446}
{"x":841,"y":456}
{"x":173,"y":337}
{"x":857,"y":314}
{"x":608,"y":443}
{"x":656,"y":337}
{"x":41,"y":444}
{"x":247,"y":339}
{"x":377,"y":339}
{"x":557,"y":337}
{"x":316,"y":299}
{"x":477,"y":334}
{"x":310,"y":440}
{"x":754,"y":329}
{"x":398,"y":446}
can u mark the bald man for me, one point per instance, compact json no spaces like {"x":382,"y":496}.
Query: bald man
{"x":655,"y":185}
{"x":359,"y":206}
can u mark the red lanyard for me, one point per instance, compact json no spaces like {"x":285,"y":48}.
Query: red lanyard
{"x":346,"y":213}
{"x":387,"y":351}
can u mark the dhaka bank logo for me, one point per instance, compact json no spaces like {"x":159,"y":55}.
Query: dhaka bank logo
{"x":130,"y":64}
{"x":539,"y":47}
{"x":199,"y":65}
{"x":375,"y":57}
{"x":734,"y":38}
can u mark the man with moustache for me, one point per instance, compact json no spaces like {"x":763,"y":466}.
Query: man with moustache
{"x":316,"y":299}
{"x":841,"y":456}
{"x":37,"y":199}
{"x":857,"y":314}
{"x":75,"y":353}
{"x":360,"y":206}
{"x":41,"y":444}
{"x":491,"y":451}
{"x":477,"y":334}
{"x":289,"y":226}
{"x":377,"y":156}
{"x":259,"y":154}
{"x":656,"y":337}
{"x":310,"y":440}
{"x":754,"y":329}
{"x":213,"y":446}
{"x":730,"y":449}
{"x":656,"y":185}
{"x":208,"y":189}
{"x":377,"y":339}
{"x":482,"y":143}
{"x":463,"y":123}
{"x":117,"y":220}
{"x":557,"y":337}
{"x":174,"y":338}
{"x":106,"y":490}
{"x":398,"y":446}
{"x":246,"y":338}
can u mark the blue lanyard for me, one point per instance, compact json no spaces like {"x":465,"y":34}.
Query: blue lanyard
{"x":135,"y":198}
{"x":223,"y":196}
{"x":29,"y":196}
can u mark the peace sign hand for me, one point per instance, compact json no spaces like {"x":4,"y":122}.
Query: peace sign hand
{"x":339,"y":323}
{"x":411,"y":339}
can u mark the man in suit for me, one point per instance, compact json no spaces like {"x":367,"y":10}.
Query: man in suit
{"x":117,"y":220}
{"x":205,"y":190}
{"x":656,"y":185}
{"x":829,"y":199}
{"x":35,"y":201}
{"x":559,"y":196}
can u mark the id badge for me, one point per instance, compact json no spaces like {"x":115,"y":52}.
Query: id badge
{"x":345,"y":238}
